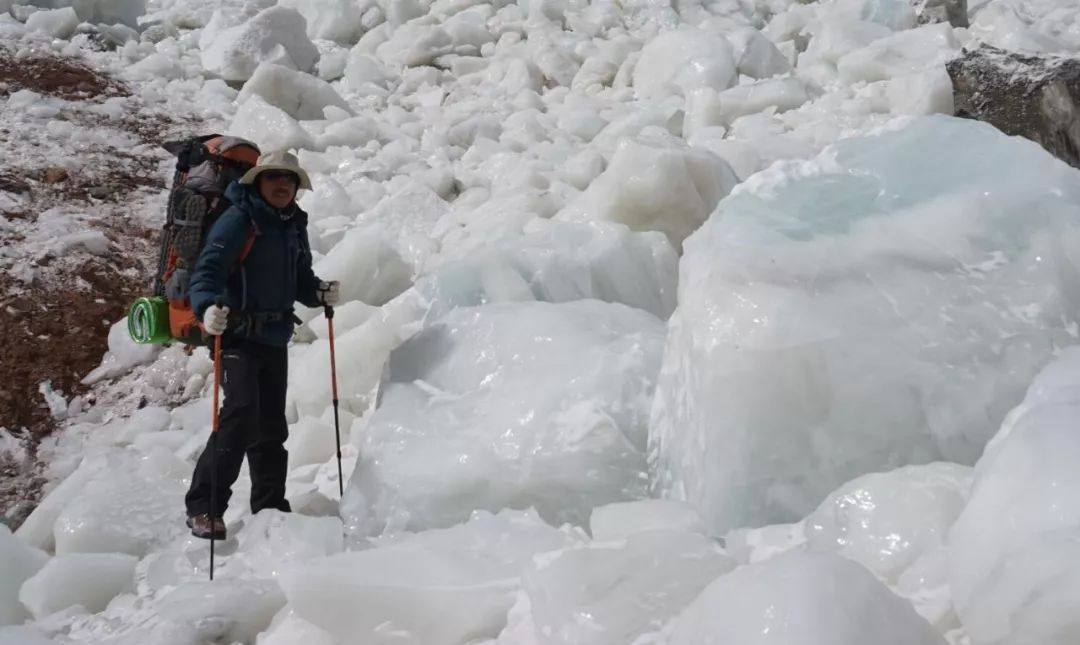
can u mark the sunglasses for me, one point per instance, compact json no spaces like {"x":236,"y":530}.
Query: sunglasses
{"x":274,"y":175}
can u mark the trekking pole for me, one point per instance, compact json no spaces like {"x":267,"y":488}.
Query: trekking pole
{"x":219,"y":302}
{"x":333,"y":388}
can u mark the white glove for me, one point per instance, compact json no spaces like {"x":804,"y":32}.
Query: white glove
{"x":329,"y":293}
{"x":215,"y":319}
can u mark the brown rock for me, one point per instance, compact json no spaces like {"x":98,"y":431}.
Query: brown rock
{"x":54,"y":175}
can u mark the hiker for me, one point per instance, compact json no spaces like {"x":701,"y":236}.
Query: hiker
{"x":259,"y":284}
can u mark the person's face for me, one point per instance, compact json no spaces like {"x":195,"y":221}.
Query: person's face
{"x":278,"y":187}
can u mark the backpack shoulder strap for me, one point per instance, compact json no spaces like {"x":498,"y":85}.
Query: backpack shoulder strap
{"x":249,"y":241}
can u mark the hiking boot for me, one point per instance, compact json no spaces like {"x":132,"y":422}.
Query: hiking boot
{"x":200,"y":526}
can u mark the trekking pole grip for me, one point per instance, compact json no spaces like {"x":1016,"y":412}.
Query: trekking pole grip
{"x":328,"y":311}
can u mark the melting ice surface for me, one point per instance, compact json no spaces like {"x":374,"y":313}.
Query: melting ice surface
{"x":883,"y":304}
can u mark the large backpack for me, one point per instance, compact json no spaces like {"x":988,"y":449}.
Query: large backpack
{"x":205,"y":166}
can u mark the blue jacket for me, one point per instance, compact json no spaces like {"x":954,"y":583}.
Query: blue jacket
{"x":276,"y":273}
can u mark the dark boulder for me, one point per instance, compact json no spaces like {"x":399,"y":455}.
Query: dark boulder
{"x":1037,"y":97}
{"x":954,"y":12}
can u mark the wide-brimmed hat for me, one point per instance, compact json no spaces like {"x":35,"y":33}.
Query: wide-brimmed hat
{"x":279,"y":160}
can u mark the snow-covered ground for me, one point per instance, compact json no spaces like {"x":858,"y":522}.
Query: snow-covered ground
{"x":667,"y":323}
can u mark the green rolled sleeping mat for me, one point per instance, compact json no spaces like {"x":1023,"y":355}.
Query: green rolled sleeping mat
{"x":148,"y":321}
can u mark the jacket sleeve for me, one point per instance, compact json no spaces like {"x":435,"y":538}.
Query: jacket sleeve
{"x":307,"y":284}
{"x":219,"y":254}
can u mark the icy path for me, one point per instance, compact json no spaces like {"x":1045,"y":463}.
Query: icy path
{"x":594,"y":252}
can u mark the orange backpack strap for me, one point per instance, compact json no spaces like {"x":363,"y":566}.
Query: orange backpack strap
{"x":249,"y":242}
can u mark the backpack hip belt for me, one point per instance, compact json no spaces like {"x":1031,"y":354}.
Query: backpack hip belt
{"x":255,"y":320}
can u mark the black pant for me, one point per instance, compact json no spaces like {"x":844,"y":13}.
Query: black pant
{"x":251,"y":422}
